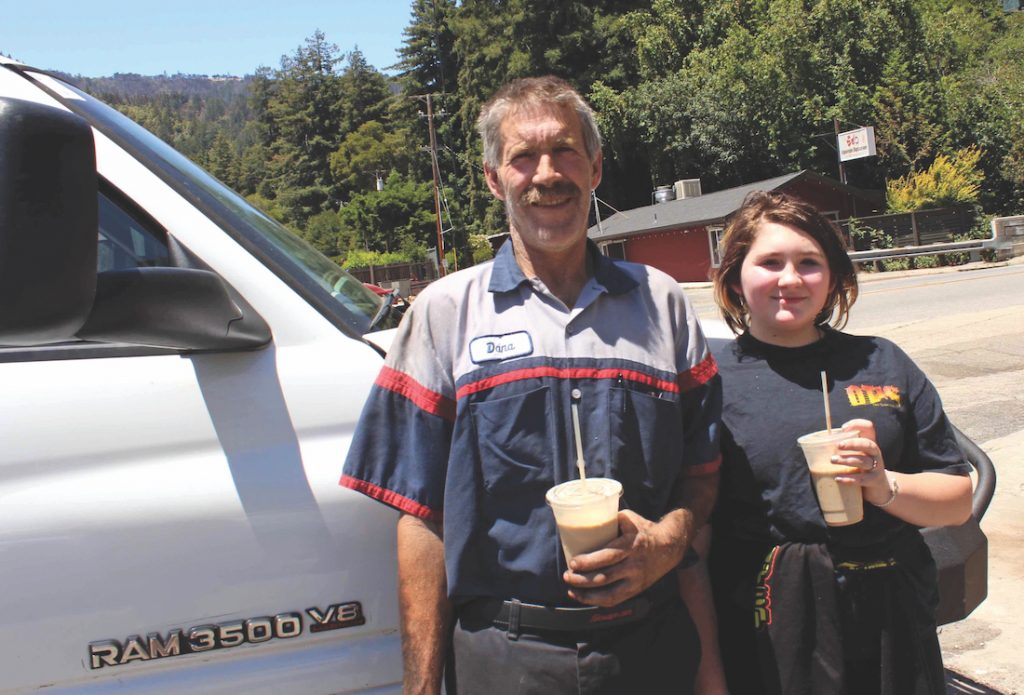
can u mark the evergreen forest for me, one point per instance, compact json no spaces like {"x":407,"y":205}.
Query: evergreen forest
{"x":727,"y":91}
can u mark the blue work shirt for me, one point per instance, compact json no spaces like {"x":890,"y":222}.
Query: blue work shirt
{"x":469,"y":421}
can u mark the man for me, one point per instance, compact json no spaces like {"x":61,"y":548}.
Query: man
{"x":469,"y":424}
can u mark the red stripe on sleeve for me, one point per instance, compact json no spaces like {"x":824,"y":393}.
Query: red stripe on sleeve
{"x":404,"y":385}
{"x":703,"y":468}
{"x":699,"y":374}
{"x":567,"y":373}
{"x":392,"y":499}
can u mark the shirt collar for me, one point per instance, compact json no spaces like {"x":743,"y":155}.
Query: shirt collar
{"x":506,"y":274}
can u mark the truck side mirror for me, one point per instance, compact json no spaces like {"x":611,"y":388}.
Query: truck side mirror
{"x":177,"y":308}
{"x":48,"y":223}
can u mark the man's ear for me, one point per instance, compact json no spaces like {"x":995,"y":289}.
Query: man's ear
{"x":596,"y":168}
{"x":493,"y":183}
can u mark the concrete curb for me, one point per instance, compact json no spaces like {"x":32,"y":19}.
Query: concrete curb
{"x":870,"y":276}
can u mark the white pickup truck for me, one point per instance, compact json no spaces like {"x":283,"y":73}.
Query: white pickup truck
{"x":180,"y":380}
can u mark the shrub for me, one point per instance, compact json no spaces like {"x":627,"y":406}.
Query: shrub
{"x":948,"y":181}
{"x":981,"y":230}
{"x":358,"y":258}
{"x":891,"y":264}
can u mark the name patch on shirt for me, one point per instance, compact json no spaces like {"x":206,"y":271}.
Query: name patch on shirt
{"x":488,"y":348}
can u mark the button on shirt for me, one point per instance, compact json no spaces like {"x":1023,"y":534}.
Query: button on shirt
{"x":469,"y":420}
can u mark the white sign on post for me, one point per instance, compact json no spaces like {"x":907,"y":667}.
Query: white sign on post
{"x":854,"y":144}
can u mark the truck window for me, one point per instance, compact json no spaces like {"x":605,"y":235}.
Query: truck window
{"x":332,"y":291}
{"x":126,"y":242}
{"x":126,"y":238}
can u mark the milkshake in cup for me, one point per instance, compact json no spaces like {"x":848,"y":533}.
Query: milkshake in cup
{"x":586,"y":512}
{"x":841,"y":505}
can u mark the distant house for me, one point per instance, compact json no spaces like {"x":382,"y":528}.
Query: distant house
{"x":681,"y":236}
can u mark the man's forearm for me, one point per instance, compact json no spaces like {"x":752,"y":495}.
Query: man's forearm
{"x":692,"y":501}
{"x":426,"y":612}
{"x":695,"y":589}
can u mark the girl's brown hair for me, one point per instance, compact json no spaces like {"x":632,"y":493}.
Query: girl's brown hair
{"x":782,"y":208}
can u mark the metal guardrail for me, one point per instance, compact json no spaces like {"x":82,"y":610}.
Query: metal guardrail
{"x":925,"y":250}
{"x":1007,"y":235}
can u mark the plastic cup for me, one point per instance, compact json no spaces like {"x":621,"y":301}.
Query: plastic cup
{"x":841,"y":505}
{"x":586,"y":512}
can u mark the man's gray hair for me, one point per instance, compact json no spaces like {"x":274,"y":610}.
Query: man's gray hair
{"x":533,"y":91}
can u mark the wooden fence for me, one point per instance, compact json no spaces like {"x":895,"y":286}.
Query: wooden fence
{"x":385,"y":274}
{"x":920,"y":228}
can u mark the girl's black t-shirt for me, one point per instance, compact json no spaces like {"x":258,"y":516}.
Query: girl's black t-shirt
{"x":772,"y":395}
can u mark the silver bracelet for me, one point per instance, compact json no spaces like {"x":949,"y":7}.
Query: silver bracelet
{"x":894,"y":489}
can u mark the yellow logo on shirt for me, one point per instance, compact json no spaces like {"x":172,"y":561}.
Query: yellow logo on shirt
{"x":864,"y":394}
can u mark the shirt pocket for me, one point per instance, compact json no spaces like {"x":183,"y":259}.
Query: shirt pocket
{"x":646,"y":447}
{"x":515,"y":441}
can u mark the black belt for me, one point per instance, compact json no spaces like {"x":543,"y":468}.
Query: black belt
{"x":516,"y":616}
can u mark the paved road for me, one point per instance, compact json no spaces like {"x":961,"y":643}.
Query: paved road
{"x":965,"y":328}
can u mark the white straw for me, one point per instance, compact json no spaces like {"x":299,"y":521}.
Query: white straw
{"x":579,"y":441}
{"x":824,"y":396}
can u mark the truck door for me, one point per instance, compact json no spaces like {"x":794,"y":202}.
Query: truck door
{"x":170,"y":518}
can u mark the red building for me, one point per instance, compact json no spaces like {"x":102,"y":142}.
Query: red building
{"x":681,"y":236}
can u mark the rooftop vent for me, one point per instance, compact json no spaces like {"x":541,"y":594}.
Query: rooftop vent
{"x":687,"y":188}
{"x":663,"y":194}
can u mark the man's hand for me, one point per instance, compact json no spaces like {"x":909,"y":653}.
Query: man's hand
{"x":643,"y":553}
{"x":645,"y":550}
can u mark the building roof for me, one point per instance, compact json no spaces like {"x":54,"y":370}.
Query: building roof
{"x":710,"y":208}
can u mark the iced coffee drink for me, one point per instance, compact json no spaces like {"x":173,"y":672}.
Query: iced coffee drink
{"x":586,"y":512}
{"x":841,"y":505}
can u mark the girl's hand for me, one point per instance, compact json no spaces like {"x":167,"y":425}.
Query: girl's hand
{"x":863,"y":452}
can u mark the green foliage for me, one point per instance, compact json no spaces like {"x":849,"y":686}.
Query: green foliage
{"x":982,"y":229}
{"x":982,"y":91}
{"x":358,"y":258}
{"x":953,"y":180}
{"x":926,"y":261}
{"x":908,"y":119}
{"x":427,"y":61}
{"x":305,"y":112}
{"x":366,"y":153}
{"x":325,"y":232}
{"x":268,"y":206}
{"x":385,"y":220}
{"x":730,"y":92}
{"x":481,"y":248}
{"x":364,"y":92}
{"x":867,"y":237}
{"x":894,"y":264}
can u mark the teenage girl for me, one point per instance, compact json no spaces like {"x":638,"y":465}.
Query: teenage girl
{"x":803,"y":607}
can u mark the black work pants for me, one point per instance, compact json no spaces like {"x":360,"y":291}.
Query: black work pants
{"x":656,"y":655}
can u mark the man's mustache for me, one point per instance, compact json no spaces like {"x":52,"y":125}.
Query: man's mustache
{"x":539,"y":194}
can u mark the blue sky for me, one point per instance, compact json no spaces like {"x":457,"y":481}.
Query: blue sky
{"x":96,"y":38}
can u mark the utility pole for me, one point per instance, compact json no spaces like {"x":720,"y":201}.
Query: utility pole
{"x":842,"y":167}
{"x":437,"y":187}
